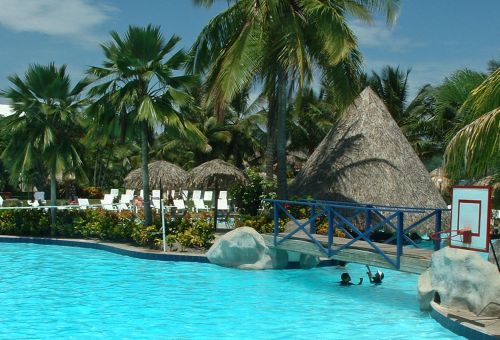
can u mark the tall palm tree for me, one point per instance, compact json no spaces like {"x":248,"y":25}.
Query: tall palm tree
{"x":281,"y":43}
{"x":140,"y":83}
{"x":392,"y":87}
{"x":474,"y":151}
{"x":44,"y":125}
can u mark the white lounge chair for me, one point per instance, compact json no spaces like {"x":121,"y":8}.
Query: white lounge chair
{"x":83,"y":203}
{"x":34,"y":204}
{"x":124,"y":202}
{"x":179,"y":205}
{"x":155,"y":194}
{"x":39,"y":196}
{"x":141,"y":194}
{"x":222,"y":205}
{"x":115,"y":192}
{"x":130,"y":192}
{"x":196,"y":194}
{"x":107,"y":202}
{"x":1,"y":201}
{"x":208,"y":195}
{"x":199,"y":205}
{"x":156,"y":202}
{"x":223,"y":194}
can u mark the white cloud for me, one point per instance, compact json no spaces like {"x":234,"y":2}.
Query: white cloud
{"x":70,"y":18}
{"x":380,"y":35}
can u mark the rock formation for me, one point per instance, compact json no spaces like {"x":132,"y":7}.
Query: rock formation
{"x":461,"y":279}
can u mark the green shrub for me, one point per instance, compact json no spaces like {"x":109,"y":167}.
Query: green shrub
{"x":262,"y":223}
{"x":248,"y":197}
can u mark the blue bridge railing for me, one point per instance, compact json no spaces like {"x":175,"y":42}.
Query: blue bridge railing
{"x":340,"y":216}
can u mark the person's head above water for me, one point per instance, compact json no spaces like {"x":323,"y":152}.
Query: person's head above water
{"x":345,"y":277}
{"x":379,"y":275}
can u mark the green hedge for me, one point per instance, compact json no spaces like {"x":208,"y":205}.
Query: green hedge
{"x":105,"y":225}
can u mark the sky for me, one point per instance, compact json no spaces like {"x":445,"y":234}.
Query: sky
{"x":432,"y":37}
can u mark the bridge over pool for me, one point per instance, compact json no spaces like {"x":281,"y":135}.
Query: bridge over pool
{"x":348,"y":231}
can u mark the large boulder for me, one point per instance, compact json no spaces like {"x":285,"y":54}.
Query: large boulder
{"x":495,"y":250}
{"x":462,"y":280}
{"x":242,"y":248}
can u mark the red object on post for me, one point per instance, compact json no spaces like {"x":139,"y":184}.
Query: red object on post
{"x":466,"y":235}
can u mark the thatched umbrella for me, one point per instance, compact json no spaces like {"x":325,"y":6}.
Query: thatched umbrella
{"x":366,"y":158}
{"x":169,"y":175}
{"x":215,"y":174}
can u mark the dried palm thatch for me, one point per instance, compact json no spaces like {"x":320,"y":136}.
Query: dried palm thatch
{"x":442,"y":182}
{"x":366,"y":158}
{"x":169,"y":175}
{"x":215,"y":174}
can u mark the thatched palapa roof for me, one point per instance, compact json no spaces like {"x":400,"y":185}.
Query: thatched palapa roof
{"x":215,"y":174}
{"x":169,"y":175}
{"x":367,"y":159}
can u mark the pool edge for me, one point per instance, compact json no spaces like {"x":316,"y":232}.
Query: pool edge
{"x":116,"y":248}
{"x":457,"y":327}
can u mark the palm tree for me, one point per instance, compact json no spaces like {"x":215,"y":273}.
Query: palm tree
{"x":474,"y":151}
{"x":138,"y":81}
{"x":44,"y":125}
{"x":392,"y":87}
{"x":280,"y":43}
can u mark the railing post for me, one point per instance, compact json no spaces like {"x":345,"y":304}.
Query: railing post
{"x":331,"y":231}
{"x":276,"y":222}
{"x":368,"y":218}
{"x":399,"y":238}
{"x":312,"y":228}
{"x":437,"y":230}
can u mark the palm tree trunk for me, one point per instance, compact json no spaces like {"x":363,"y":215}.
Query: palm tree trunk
{"x":271,"y":137}
{"x":281,"y":133}
{"x":148,"y":216}
{"x":53,"y":196}
{"x":94,"y":180}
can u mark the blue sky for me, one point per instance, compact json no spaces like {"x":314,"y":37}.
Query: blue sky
{"x":432,"y":37}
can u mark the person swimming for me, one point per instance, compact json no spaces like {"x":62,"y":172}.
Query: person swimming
{"x":375,"y":279}
{"x":345,"y":280}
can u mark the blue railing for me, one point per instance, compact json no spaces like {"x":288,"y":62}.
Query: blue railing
{"x":340,"y":216}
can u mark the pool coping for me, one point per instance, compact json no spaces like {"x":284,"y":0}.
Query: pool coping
{"x":112,"y":247}
{"x":130,"y":250}
{"x":457,"y":322}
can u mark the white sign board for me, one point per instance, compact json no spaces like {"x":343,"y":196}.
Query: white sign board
{"x":470,"y":214}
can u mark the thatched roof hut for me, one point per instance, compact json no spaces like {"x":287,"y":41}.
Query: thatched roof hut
{"x":215,"y":174}
{"x":169,"y":175}
{"x":442,"y":182}
{"x":366,"y":158}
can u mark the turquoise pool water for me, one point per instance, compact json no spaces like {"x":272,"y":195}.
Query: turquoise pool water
{"x":49,"y":292}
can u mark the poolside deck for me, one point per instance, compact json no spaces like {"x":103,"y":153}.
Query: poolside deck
{"x":412,"y":261}
{"x":466,"y":323}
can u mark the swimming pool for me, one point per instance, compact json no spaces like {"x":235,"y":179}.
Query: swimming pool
{"x":68,"y":292}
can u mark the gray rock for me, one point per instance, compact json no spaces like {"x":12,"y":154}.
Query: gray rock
{"x":308,"y":261}
{"x":279,"y":258}
{"x":424,"y":290}
{"x":243,"y":248}
{"x":496,"y":247}
{"x":463,"y":280}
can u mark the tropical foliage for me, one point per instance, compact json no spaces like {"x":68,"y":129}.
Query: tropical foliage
{"x":281,"y":44}
{"x":44,"y":129}
{"x":138,"y":90}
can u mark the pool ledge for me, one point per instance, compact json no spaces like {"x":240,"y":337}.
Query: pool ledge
{"x":132,"y":251}
{"x":465,"y":323}
{"x":117,"y":248}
